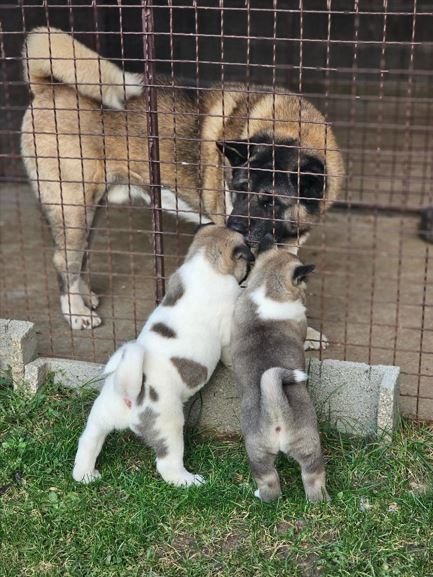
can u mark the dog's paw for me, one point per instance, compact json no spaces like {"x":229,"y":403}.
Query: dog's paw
{"x":184,"y":479}
{"x":315,"y":340}
{"x":77,"y":314}
{"x":88,"y":321}
{"x":90,"y":299}
{"x":257,"y":494}
{"x":318,"y":495}
{"x":85,"y":477}
{"x":189,"y":479}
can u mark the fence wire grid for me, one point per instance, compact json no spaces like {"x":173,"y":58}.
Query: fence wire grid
{"x":366,"y":66}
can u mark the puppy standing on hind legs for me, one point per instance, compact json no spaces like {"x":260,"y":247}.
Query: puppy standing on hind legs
{"x":269,"y":330}
{"x":148,"y":381}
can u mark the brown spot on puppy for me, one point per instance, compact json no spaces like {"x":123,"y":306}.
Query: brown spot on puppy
{"x":175,"y":291}
{"x":153,"y":394}
{"x":149,"y":433}
{"x":163,"y":330}
{"x":142,"y":393}
{"x":193,"y":374}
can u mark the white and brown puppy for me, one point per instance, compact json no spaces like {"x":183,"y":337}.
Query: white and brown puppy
{"x":268,"y":334}
{"x":149,"y":380}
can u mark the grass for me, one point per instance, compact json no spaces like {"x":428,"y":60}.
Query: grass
{"x":129,"y":523}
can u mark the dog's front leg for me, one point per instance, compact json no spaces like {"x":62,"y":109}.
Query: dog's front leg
{"x":315,"y":340}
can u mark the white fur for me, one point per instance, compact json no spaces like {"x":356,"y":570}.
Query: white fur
{"x":78,"y":315}
{"x":201,"y":319}
{"x":170,"y":202}
{"x":122,"y":86}
{"x":300,"y":376}
{"x":270,"y":309}
{"x":228,"y":199}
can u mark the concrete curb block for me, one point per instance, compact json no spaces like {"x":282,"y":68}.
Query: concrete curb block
{"x":73,"y":374}
{"x":18,"y":346}
{"x":354,"y":398}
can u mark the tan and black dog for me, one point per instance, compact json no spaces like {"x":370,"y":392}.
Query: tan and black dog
{"x":271,"y":158}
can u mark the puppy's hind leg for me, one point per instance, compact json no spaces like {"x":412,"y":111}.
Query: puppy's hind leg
{"x":312,"y":469}
{"x":163,"y":431}
{"x":263,"y":468}
{"x":90,"y":445}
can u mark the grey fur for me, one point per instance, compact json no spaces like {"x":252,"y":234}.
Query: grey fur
{"x":193,"y":374}
{"x":163,"y":330}
{"x":175,"y":291}
{"x":153,"y":395}
{"x":148,"y":431}
{"x":142,"y":393}
{"x":276,"y":411}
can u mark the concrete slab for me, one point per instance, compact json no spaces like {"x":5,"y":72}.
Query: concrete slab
{"x":354,"y":398}
{"x":18,"y":346}
{"x":74,"y":374}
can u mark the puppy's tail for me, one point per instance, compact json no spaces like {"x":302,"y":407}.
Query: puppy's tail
{"x":274,"y":403}
{"x":49,"y":54}
{"x":126,"y":366}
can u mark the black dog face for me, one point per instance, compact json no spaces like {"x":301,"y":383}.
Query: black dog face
{"x":269,"y":193}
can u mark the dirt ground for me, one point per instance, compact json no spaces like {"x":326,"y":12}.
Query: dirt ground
{"x":371,"y":295}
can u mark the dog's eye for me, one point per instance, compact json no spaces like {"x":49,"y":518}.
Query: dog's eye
{"x":242,"y":185}
{"x":266,"y":202}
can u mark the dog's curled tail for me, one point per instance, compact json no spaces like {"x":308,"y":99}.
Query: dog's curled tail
{"x":51,"y":54}
{"x":126,"y":366}
{"x":274,"y":402}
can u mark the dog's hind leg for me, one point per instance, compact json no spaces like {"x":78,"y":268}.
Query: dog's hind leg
{"x":90,"y":445}
{"x":163,"y":431}
{"x":71,"y":220}
{"x":262,"y":465}
{"x":309,"y":456}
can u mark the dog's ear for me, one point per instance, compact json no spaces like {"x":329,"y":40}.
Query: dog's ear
{"x":202,"y":225}
{"x":266,"y":243}
{"x":236,"y":151}
{"x":301,"y":272}
{"x":243,"y":251}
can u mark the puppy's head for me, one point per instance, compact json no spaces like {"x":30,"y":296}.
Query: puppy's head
{"x":224,"y":248}
{"x":280,"y":270}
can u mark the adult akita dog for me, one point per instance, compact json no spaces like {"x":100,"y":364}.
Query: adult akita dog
{"x":268,"y":159}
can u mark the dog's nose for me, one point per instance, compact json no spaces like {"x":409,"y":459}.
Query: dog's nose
{"x":238,"y":225}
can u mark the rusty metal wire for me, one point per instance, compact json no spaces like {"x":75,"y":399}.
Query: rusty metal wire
{"x":366,"y":66}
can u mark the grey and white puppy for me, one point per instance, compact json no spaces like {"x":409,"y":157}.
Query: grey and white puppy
{"x":268,"y":334}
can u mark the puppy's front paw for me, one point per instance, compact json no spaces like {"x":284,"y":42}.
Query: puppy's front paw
{"x":315,"y":340}
{"x":85,"y":477}
{"x":257,"y":494}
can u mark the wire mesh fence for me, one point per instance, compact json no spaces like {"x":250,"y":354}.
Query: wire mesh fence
{"x":129,"y":181}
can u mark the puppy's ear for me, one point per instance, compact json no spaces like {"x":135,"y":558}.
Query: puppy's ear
{"x":301,"y":272}
{"x":202,"y":225}
{"x":266,"y":243}
{"x":243,"y":251}
{"x":236,"y":151}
